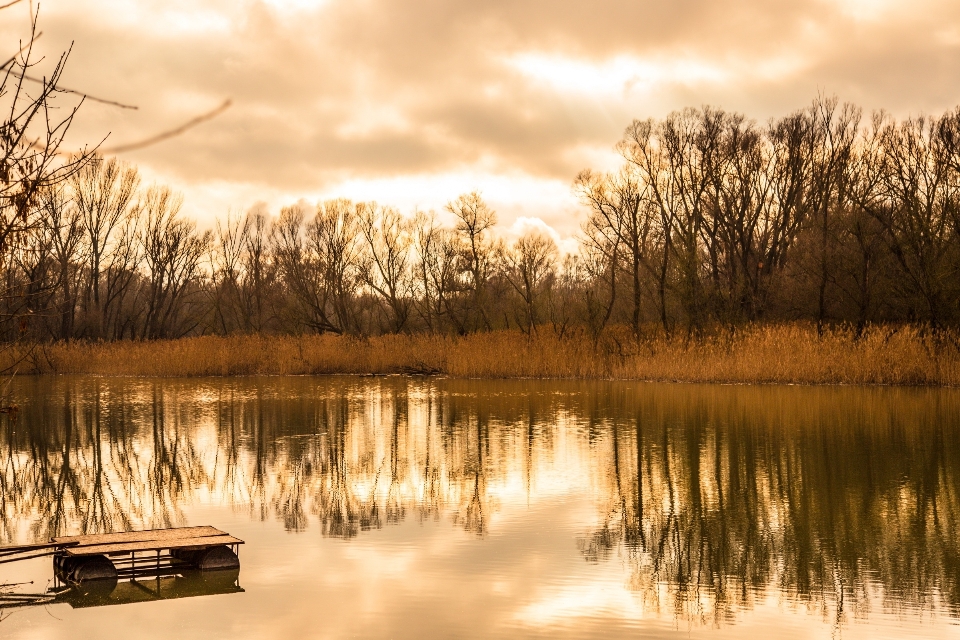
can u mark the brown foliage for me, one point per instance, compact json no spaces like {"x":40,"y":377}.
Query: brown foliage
{"x":783,"y":354}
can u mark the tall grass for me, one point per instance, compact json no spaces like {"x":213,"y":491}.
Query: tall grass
{"x":761,"y":354}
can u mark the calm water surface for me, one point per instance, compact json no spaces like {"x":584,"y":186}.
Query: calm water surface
{"x":430,"y":508}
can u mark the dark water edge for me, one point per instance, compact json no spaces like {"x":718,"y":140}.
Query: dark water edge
{"x":432,"y":507}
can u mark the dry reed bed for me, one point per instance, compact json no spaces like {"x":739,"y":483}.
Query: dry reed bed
{"x":771,"y":354}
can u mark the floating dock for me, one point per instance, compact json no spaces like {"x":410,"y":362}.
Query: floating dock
{"x":137,"y":553}
{"x":181,"y":562}
{"x":133,"y":553}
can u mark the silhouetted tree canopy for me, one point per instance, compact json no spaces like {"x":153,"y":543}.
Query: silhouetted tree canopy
{"x":713,"y":220}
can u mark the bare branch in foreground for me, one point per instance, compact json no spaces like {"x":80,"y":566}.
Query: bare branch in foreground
{"x":25,"y":47}
{"x":171,"y":133}
{"x":84,"y":94}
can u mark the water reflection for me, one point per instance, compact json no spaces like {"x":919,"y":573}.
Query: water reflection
{"x":827,"y":495}
{"x":839,"y":501}
{"x":98,"y":593}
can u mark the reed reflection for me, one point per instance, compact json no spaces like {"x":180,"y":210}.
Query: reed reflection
{"x":839,"y":500}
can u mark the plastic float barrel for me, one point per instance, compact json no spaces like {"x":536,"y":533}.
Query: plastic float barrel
{"x":209,"y":559}
{"x":77,"y":569}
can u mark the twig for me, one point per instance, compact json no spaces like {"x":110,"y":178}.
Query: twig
{"x":7,"y":585}
{"x":81,"y":93}
{"x":169,"y":134}
{"x":148,"y":141}
{"x":13,"y":58}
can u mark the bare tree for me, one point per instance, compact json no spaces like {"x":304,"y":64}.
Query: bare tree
{"x":388,"y":240}
{"x":172,"y":252}
{"x":301,"y":272}
{"x":259,"y":271}
{"x":122,"y":275}
{"x":600,"y":250}
{"x":570,"y":295}
{"x":226,"y":257}
{"x":320,"y":262}
{"x":833,"y":154}
{"x":529,"y":267}
{"x":335,"y":239}
{"x":64,"y":225}
{"x":619,"y":208}
{"x":474,"y":221}
{"x":676,"y":160}
{"x":914,"y":201}
{"x":437,"y":272}
{"x":103,"y":193}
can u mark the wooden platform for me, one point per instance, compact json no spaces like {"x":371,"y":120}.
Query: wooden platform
{"x":182,"y":561}
{"x":153,"y":552}
{"x":125,"y":543}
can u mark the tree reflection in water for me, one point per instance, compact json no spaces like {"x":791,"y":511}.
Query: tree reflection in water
{"x":837,"y":500}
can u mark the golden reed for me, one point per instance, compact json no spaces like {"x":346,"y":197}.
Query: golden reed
{"x":790,"y":353}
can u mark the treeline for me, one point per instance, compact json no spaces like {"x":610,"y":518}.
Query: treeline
{"x":712,"y":220}
{"x":819,"y":215}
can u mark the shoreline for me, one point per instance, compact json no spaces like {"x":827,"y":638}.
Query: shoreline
{"x":764,"y":354}
{"x":442,"y":376}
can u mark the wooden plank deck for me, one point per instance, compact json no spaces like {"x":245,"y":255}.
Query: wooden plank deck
{"x":151,"y":545}
{"x":148,"y":540}
{"x":139,"y":536}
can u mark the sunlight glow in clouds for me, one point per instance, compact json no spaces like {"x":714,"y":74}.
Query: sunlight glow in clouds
{"x":371,"y":119}
{"x":296,"y":5}
{"x":524,"y":225}
{"x":868,"y":9}
{"x":522,"y":202}
{"x":618,"y":75}
{"x":169,"y":18}
{"x":180,"y":17}
{"x":412,"y":104}
{"x":518,"y":199}
{"x":630,"y":76}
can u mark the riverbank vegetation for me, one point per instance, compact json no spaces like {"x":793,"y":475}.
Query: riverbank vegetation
{"x":823,"y":246}
{"x":758,"y":354}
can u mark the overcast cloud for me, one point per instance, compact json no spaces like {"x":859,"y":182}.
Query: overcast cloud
{"x":412,"y":103}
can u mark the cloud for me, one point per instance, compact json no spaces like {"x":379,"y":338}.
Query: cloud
{"x":338,"y":94}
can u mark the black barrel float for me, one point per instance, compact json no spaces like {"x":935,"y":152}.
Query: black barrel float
{"x":77,"y":569}
{"x":209,"y":559}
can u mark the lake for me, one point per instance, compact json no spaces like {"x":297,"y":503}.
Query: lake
{"x":405,"y":507}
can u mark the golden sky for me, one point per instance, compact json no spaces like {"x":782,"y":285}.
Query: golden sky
{"x":411,"y":103}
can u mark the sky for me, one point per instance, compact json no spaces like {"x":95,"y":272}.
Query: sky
{"x":413,"y":103}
